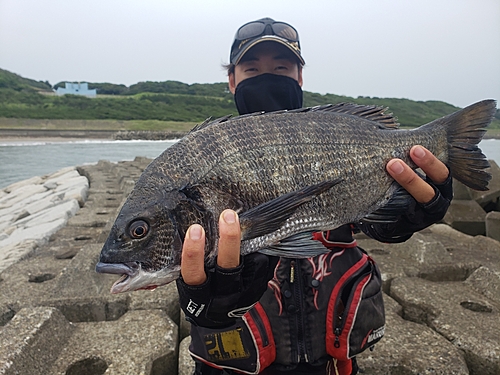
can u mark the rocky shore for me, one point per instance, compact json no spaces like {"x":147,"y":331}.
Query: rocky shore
{"x":441,"y":287}
{"x":147,"y":135}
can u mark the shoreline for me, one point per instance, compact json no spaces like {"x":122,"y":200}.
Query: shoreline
{"x":53,"y":136}
{"x":46,"y":135}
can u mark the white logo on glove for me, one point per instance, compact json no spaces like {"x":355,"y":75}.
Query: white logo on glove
{"x":193,"y":306}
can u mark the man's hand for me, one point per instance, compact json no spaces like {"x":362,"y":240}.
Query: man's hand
{"x":435,"y":170}
{"x":215,"y":298}
{"x":193,"y":250}
{"x":432,"y":197}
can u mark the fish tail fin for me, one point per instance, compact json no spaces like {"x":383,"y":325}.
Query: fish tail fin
{"x":465,"y":129}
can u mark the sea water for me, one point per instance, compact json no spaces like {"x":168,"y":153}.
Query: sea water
{"x":21,"y":160}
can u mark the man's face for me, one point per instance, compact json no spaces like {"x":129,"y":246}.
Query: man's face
{"x":266,"y":57}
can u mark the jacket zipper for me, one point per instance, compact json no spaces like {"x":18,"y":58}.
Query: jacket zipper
{"x":339,"y":322}
{"x":296,"y":283}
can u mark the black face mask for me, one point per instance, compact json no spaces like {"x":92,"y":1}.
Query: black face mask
{"x":267,"y":92}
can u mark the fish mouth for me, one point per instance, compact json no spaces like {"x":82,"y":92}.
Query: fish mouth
{"x":134,"y":277}
{"x":126,"y":269}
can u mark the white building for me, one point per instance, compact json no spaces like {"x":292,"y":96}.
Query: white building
{"x":76,"y":89}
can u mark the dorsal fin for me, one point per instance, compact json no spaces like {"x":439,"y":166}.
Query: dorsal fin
{"x":209,"y":122}
{"x":368,"y":112}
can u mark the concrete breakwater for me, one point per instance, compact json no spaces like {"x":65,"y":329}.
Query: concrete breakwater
{"x":147,"y":135}
{"x":32,"y":210}
{"x":441,"y":288}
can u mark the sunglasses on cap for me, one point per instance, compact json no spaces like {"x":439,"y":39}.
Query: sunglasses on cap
{"x":267,"y":26}
{"x":265,"y":29}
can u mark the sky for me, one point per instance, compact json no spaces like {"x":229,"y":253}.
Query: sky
{"x":447,"y":50}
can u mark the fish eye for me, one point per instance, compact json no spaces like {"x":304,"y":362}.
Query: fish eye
{"x":138,"y":229}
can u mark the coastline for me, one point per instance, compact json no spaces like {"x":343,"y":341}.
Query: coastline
{"x":46,"y":135}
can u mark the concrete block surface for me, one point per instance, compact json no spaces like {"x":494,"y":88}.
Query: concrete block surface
{"x":140,"y":342}
{"x":493,"y":225}
{"x":467,"y":216}
{"x":454,"y":310}
{"x":186,"y":363}
{"x":395,"y":353}
{"x":32,"y":341}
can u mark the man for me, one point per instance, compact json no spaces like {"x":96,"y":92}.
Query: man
{"x":265,"y":74}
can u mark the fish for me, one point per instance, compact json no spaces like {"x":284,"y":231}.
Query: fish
{"x":287,"y":174}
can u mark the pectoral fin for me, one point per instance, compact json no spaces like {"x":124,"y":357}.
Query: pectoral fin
{"x":397,"y":205}
{"x":270,"y":216}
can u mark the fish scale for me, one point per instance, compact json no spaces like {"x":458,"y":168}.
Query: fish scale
{"x":287,"y":174}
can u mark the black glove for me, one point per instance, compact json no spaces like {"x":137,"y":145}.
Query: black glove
{"x":438,"y":206}
{"x":227,"y":293}
{"x":417,"y":217}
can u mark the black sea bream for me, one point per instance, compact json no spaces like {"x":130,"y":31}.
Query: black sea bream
{"x":287,"y":174}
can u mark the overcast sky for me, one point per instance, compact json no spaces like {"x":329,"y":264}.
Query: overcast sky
{"x":445,"y":50}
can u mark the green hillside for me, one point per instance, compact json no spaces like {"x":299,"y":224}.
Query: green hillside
{"x":15,"y":82}
{"x":170,"y":101}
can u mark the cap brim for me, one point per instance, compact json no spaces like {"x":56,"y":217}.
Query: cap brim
{"x":267,"y":38}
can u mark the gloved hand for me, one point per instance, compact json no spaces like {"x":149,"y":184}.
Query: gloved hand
{"x":438,"y":206}
{"x":431,"y":197}
{"x":416,"y":217}
{"x":227,"y":293}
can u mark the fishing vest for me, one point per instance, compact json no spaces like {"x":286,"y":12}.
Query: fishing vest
{"x":315,"y":309}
